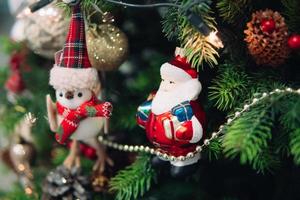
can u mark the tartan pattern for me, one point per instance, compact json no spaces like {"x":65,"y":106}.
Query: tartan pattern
{"x":75,"y":53}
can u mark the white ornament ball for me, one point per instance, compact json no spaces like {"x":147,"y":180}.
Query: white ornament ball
{"x":16,"y":5}
{"x":17,"y":31}
{"x":46,"y":31}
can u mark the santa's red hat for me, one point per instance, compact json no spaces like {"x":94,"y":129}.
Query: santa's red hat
{"x":72,"y":68}
{"x":179,"y":68}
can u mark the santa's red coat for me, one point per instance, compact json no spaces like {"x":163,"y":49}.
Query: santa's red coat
{"x":178,"y":142}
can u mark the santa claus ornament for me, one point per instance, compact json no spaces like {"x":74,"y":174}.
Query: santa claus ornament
{"x":78,"y":116}
{"x":173,"y":118}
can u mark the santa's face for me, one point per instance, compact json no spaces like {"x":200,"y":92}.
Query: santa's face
{"x":173,"y":91}
{"x":73,"y":99}
{"x":168,"y":84}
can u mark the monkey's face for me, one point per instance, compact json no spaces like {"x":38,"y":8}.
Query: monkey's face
{"x":73,"y":99}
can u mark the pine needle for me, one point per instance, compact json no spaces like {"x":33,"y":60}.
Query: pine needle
{"x":233,"y":11}
{"x":135,"y":180}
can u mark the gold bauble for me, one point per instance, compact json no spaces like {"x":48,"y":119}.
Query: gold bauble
{"x":107,"y":46}
{"x":45,"y":30}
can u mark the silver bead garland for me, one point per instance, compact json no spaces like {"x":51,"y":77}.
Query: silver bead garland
{"x":199,"y":148}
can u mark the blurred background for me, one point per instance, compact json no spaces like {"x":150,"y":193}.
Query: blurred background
{"x":261,"y":154}
{"x":6,"y":23}
{"x":7,"y":20}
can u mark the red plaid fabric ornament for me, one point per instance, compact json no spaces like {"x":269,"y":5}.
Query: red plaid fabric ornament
{"x":75,"y":53}
{"x":72,"y":69}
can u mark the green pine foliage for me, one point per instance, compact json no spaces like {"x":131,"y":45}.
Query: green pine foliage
{"x":133,"y":181}
{"x":252,"y":138}
{"x":291,"y":12}
{"x":266,"y":161}
{"x":229,"y":87}
{"x":214,"y":149}
{"x":232,"y":11}
{"x":170,"y":24}
{"x":249,"y":135}
{"x":8,"y":46}
{"x":295,"y":145}
{"x":198,"y":49}
{"x":290,"y":120}
{"x":290,"y":108}
{"x":88,"y":7}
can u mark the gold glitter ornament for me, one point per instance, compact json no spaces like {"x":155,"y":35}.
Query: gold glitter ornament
{"x":100,"y":182}
{"x":107,"y":46}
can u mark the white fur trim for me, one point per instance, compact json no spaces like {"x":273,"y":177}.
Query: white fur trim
{"x":165,"y":101}
{"x":73,"y":78}
{"x":197,"y":130}
{"x":174,"y":72}
{"x":187,"y":161}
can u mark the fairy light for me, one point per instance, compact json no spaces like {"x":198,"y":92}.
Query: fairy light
{"x":198,"y":22}
{"x":199,"y":148}
{"x":21,"y":167}
{"x":28,"y":191}
{"x":214,"y":39}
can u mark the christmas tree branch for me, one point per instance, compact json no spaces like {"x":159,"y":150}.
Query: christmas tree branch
{"x":252,"y":139}
{"x":291,"y":12}
{"x":133,"y":181}
{"x":233,"y":12}
{"x":290,"y":120}
{"x":214,"y":149}
{"x":198,"y":49}
{"x":170,"y":25}
{"x":266,"y":161}
{"x":87,"y":5}
{"x":249,"y":135}
{"x":229,"y":87}
{"x":295,"y":145}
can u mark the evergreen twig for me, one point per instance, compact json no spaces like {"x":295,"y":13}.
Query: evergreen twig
{"x":232,"y":11}
{"x":133,"y":181}
{"x":252,"y":139}
{"x":198,"y":49}
{"x":248,"y":136}
{"x":229,"y":87}
{"x":291,"y":12}
{"x":295,"y":145}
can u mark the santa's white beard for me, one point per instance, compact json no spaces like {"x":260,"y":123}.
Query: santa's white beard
{"x":164,"y":101}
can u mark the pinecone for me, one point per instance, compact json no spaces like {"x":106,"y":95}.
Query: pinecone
{"x":65,"y":184}
{"x":267,"y":48}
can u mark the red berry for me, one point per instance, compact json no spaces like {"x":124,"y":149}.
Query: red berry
{"x":90,"y":153}
{"x":268,"y":25}
{"x":294,"y":42}
{"x":15,"y":83}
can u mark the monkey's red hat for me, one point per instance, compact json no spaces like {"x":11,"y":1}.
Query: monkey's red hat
{"x":72,"y":69}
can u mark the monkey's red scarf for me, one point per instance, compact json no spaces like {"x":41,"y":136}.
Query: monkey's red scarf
{"x":72,"y":118}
